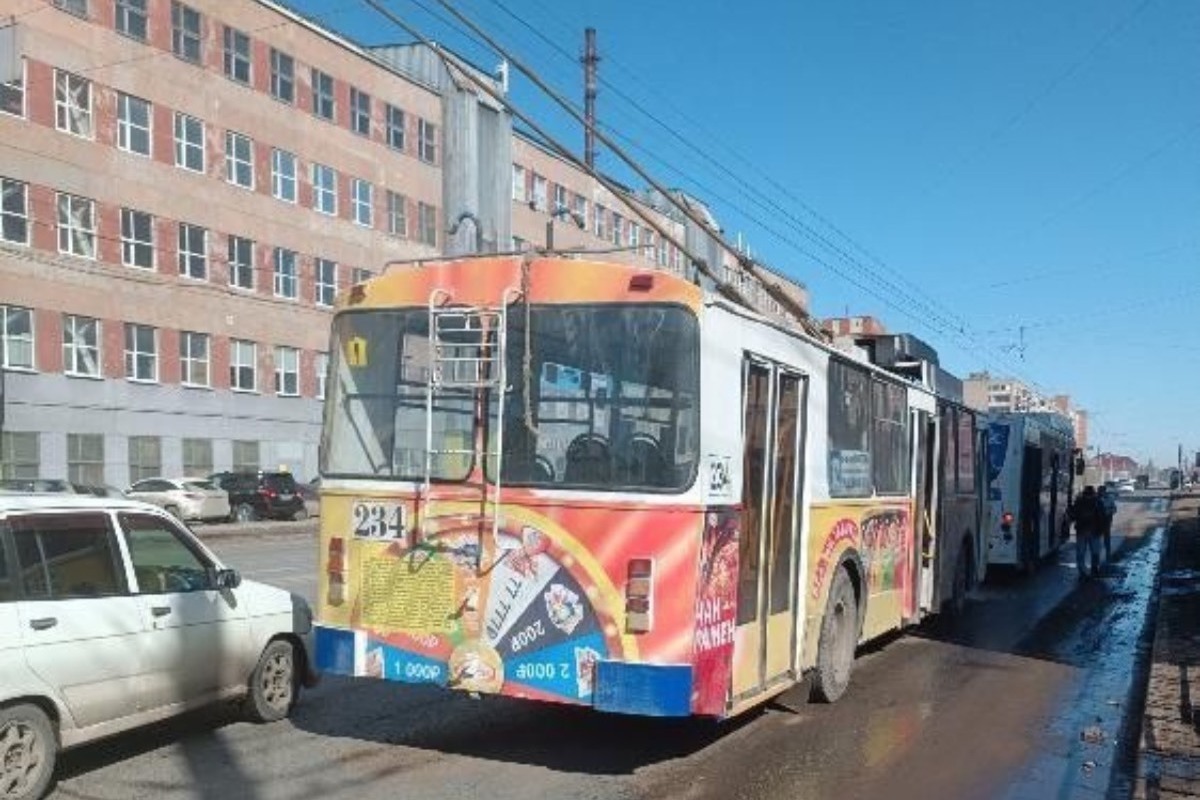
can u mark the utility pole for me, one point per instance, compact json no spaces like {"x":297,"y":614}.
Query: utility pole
{"x":590,"y":61}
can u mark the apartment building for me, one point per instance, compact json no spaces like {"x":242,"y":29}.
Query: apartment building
{"x":987,"y":392}
{"x":186,"y":187}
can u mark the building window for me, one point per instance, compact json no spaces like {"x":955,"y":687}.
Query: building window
{"x":193,"y":251}
{"x":133,"y":124}
{"x":72,"y":104}
{"x":81,"y":346}
{"x":560,"y":197}
{"x":241,"y":262}
{"x":137,"y":239}
{"x":395,"y":128}
{"x":85,"y":458}
{"x":239,"y":159}
{"x":634,"y":234}
{"x":283,"y":175}
{"x":618,"y":228}
{"x":145,"y":458}
{"x":12,"y":95}
{"x":18,"y":337}
{"x":19,"y":457}
{"x":580,"y":207}
{"x":321,"y":365}
{"x":287,"y":371}
{"x":77,"y":7}
{"x":189,"y":142}
{"x":358,"y":275}
{"x":427,"y":220}
{"x":185,"y":32}
{"x":243,"y":366}
{"x":237,"y":55}
{"x":360,"y":112}
{"x":283,"y":76}
{"x":427,"y":141}
{"x":397,"y":205}
{"x":14,"y":211}
{"x":193,"y":358}
{"x":518,"y":183}
{"x":326,"y":282}
{"x":245,"y":456}
{"x":361,"y":196}
{"x":141,"y":353}
{"x":197,"y":457}
{"x":324,"y":104}
{"x":324,"y":189}
{"x":599,"y":220}
{"x":131,"y":18}
{"x":539,"y":193}
{"x":76,"y":226}
{"x":285,"y":273}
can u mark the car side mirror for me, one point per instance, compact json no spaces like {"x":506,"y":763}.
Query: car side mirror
{"x":228,"y":579}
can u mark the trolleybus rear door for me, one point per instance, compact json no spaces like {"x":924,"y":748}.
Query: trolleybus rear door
{"x":773,"y":431}
{"x":925,"y":454}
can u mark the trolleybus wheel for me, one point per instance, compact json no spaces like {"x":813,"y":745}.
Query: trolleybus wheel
{"x":839,"y":638}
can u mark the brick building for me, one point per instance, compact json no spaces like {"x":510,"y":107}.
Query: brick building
{"x":188,"y":185}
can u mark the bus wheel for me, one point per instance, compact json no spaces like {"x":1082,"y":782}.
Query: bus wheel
{"x":839,"y":638}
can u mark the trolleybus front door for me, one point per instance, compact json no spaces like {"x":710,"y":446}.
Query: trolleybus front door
{"x":925,"y":459}
{"x":773,"y":473}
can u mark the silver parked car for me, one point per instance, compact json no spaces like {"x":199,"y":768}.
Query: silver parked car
{"x":184,"y":498}
{"x":112,"y":616}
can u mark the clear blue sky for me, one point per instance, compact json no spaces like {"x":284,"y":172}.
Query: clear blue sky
{"x":1025,"y":163}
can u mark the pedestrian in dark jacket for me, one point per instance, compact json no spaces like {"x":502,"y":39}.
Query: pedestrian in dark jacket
{"x":1108,"y":502}
{"x":1087,"y":513}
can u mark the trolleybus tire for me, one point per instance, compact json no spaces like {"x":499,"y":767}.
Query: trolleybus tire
{"x":274,"y":687}
{"x":839,"y":639}
{"x":28,"y":751}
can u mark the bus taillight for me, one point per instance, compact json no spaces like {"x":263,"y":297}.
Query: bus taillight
{"x":336,"y":570}
{"x":1006,"y":521}
{"x":639,"y":587}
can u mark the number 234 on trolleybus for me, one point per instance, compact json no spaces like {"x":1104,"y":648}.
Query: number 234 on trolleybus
{"x":588,"y":483}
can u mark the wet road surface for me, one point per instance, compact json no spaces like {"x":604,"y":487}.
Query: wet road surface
{"x":1000,"y":704}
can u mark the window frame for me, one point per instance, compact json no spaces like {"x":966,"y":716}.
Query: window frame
{"x":427,"y":144}
{"x":284,"y":182}
{"x":283,"y":76}
{"x":357,"y":204}
{"x":286,"y":357}
{"x":283,"y":278}
{"x":72,"y":225}
{"x":321,"y":97}
{"x":321,"y":369}
{"x":134,"y":353}
{"x":23,"y":217}
{"x":232,"y":57}
{"x":138,"y":467}
{"x":76,"y":8}
{"x":10,"y":466}
{"x":234,"y":160}
{"x":126,"y":127}
{"x":397,"y":214}
{"x":325,"y":291}
{"x":188,"y":359}
{"x":185,"y":148}
{"x":360,"y":112}
{"x":78,"y":459}
{"x":322,"y":192}
{"x":235,"y":364}
{"x":93,"y":516}
{"x":236,"y":267}
{"x":187,"y":257}
{"x":74,"y":352}
{"x":66,"y":100}
{"x":182,"y":37}
{"x":6,"y":362}
{"x":193,"y":466}
{"x":9,"y":90}
{"x":427,"y":224}
{"x":131,"y":246}
{"x":394,"y":133}
{"x":124,"y":11}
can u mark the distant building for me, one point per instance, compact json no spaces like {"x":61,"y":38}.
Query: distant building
{"x":987,"y":392}
{"x":853,"y":326}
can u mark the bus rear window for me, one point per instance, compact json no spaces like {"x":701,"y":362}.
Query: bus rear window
{"x":605,"y":397}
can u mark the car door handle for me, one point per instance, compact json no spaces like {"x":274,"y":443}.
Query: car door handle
{"x":43,"y":623}
{"x":160,"y":611}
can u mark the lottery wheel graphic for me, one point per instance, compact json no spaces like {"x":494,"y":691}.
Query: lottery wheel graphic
{"x":534,"y":612}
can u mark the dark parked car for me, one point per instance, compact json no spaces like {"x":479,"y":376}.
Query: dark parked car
{"x":261,"y":495}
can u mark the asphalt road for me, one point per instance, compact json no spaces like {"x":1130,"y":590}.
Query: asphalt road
{"x":1022,"y":698}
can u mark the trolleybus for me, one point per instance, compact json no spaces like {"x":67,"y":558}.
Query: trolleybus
{"x":589,"y":483}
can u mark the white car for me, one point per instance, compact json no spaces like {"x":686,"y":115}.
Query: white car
{"x":185,"y":498}
{"x":113,"y":615}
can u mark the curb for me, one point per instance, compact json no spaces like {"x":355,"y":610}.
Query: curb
{"x":263,"y":530}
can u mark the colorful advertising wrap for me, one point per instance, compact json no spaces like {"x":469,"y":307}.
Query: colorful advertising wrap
{"x":716,"y":611}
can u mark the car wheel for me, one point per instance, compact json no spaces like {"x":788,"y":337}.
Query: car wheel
{"x":839,"y":639}
{"x":244,"y":512}
{"x":273,"y":685}
{"x":301,"y":514}
{"x":173,"y":511}
{"x":28,"y":750}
